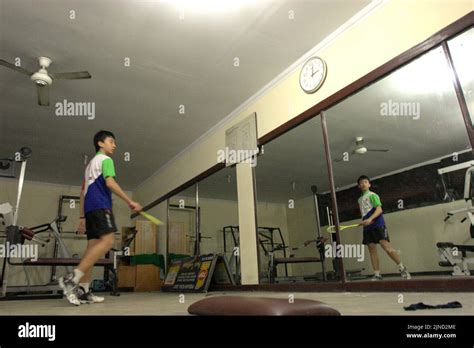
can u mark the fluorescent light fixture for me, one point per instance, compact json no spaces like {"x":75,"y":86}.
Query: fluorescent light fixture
{"x":427,"y":75}
{"x":210,"y":6}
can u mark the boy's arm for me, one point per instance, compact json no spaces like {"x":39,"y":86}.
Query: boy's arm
{"x":81,"y":229}
{"x":81,"y":203}
{"x":375,"y":200}
{"x":361,"y":212}
{"x":378,"y":211}
{"x":115,"y":188}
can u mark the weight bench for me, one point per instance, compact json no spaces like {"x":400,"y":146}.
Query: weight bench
{"x":455,"y":255}
{"x":449,"y":254}
{"x":260,"y":306}
{"x":14,"y":237}
{"x":50,"y":261}
{"x":275,"y":261}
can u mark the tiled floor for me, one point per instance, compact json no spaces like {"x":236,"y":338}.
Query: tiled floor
{"x":169,"y":303}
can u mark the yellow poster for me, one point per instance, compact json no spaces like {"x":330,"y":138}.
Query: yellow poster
{"x":203,"y":272}
{"x":172,"y":274}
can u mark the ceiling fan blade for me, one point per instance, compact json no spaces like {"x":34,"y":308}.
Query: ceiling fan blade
{"x":14,"y":67}
{"x":71,"y":75}
{"x":43,"y":95}
{"x":378,"y":150}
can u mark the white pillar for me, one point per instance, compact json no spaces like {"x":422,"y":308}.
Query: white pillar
{"x":247,"y":229}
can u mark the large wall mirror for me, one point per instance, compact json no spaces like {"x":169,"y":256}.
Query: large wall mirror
{"x":219,"y":218}
{"x":407,"y":134}
{"x":204,"y":219}
{"x":181,"y":231}
{"x":293,"y":207}
{"x":399,"y":147}
{"x":462,"y":52}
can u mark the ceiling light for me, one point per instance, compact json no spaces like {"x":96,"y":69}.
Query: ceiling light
{"x":427,"y":75}
{"x":210,"y":6}
{"x":360,"y":150}
{"x":41,"y":83}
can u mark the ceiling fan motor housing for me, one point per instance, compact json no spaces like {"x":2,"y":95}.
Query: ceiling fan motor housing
{"x":41,"y":78}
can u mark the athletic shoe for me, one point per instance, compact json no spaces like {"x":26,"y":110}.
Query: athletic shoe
{"x":70,"y":289}
{"x":89,"y":297}
{"x":405,"y":274}
{"x":376,"y":277}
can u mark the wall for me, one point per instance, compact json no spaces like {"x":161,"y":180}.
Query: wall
{"x":39,"y":205}
{"x":215,"y":214}
{"x":414,"y":232}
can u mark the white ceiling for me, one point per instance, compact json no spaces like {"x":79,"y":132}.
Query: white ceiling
{"x":173,"y":61}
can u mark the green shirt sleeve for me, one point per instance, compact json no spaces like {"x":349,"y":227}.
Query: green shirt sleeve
{"x":375,"y":200}
{"x":108,"y":168}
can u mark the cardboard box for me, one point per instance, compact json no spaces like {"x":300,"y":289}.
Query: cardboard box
{"x":147,"y":278}
{"x":126,"y":276}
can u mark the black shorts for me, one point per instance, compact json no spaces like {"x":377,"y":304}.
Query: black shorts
{"x":100,"y":222}
{"x":375,"y":235}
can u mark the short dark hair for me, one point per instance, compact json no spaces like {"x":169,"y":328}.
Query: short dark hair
{"x":363,"y":177}
{"x":101,"y":136}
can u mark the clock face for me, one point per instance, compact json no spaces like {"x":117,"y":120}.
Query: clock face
{"x":312,"y":74}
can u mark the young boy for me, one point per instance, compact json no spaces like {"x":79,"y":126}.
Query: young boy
{"x":96,"y":218}
{"x":375,"y":231}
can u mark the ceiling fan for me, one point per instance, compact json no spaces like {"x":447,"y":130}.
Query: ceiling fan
{"x":43,"y":79}
{"x":360,"y":149}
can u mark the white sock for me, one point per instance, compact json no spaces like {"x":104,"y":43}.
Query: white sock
{"x":401,"y":266}
{"x":377,"y":273}
{"x":78,"y":274}
{"x":85,"y":286}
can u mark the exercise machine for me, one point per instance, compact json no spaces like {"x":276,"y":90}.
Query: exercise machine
{"x":273,"y":245}
{"x":271,"y":241}
{"x":275,"y":261}
{"x":234,"y":259}
{"x":16,"y":235}
{"x":291,"y":259}
{"x":456,"y":255}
